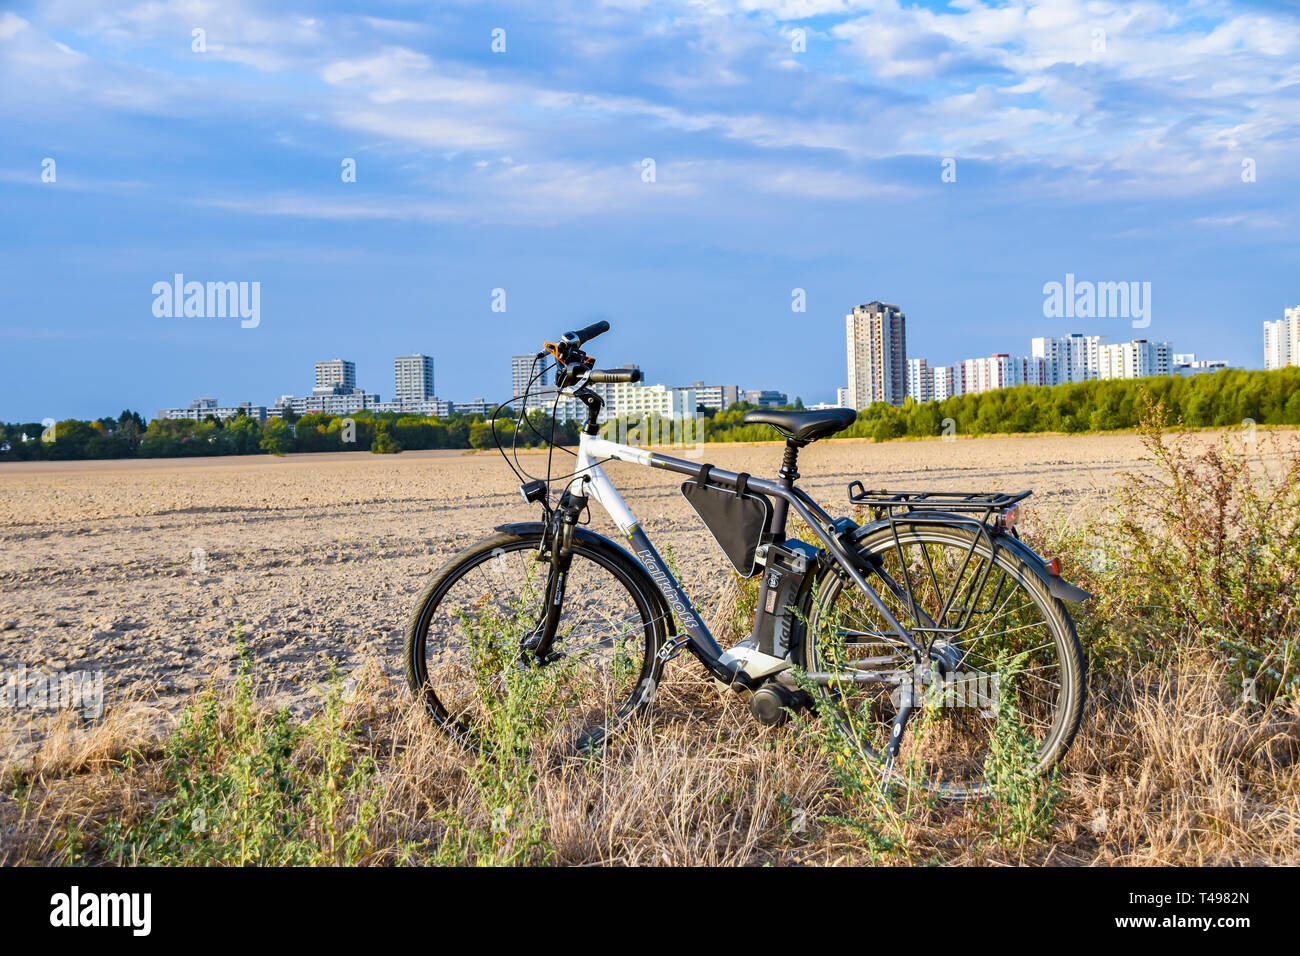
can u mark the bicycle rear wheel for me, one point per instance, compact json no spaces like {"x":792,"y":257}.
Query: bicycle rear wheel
{"x":996,"y":642}
{"x":466,"y":655}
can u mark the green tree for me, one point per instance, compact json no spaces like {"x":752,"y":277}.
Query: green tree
{"x":384,"y":443}
{"x":243,"y":435}
{"x":277,"y":437}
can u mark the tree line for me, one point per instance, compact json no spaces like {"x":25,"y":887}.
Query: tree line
{"x":127,"y":436}
{"x":1225,"y":398}
{"x":1218,"y":399}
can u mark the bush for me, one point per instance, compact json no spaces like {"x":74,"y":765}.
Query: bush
{"x":1202,"y":553}
{"x":252,"y":787}
{"x":385,"y":443}
{"x":277,"y":437}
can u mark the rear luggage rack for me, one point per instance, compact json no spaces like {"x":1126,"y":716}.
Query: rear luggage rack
{"x":892,"y":502}
{"x":987,"y":514}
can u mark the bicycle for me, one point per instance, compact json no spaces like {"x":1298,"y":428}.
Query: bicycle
{"x":933,"y":605}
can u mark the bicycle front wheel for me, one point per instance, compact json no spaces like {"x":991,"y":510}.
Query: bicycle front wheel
{"x":997,"y":647}
{"x":467,"y":655}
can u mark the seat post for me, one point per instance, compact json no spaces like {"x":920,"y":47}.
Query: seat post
{"x":788,"y":474}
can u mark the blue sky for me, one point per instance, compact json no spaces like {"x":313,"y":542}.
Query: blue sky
{"x":1096,"y":138}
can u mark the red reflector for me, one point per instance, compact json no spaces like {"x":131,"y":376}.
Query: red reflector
{"x":1054,"y":567}
{"x":1010,"y":516}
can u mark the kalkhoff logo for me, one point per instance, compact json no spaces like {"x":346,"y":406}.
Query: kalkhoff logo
{"x":675,"y":600}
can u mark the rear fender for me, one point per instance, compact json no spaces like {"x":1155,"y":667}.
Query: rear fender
{"x":1057,"y":586}
{"x":1061,"y":589}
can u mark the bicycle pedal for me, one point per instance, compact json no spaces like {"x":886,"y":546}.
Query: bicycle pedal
{"x":674,"y":647}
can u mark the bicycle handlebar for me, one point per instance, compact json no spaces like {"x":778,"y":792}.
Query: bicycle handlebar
{"x":587,"y":334}
{"x":615,"y":376}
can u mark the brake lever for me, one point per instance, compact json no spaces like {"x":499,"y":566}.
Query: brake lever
{"x":584,"y":376}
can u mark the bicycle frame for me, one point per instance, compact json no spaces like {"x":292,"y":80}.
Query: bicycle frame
{"x":591,"y":481}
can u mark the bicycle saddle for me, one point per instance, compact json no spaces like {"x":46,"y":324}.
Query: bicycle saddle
{"x":805,"y":426}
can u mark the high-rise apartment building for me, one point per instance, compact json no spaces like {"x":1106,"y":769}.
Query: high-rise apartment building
{"x":335,"y":374}
{"x":480,"y":406}
{"x":1070,"y":358}
{"x":920,"y":381}
{"x":1282,"y":340}
{"x":327,"y":400}
{"x":1137,"y":359}
{"x":842,"y":397}
{"x":628,"y":400}
{"x":944,"y":385}
{"x":877,"y":352}
{"x":716,"y":396}
{"x":1032,"y":370}
{"x":1186,"y":363}
{"x":1292,"y":319}
{"x":412,"y":379}
{"x":765,"y":397}
{"x":1000,"y":370}
{"x":522,"y":370}
{"x":201,"y":408}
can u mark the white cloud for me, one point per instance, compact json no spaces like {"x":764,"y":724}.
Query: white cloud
{"x":11,"y":25}
{"x":1247,"y":219}
{"x":1162,"y":107}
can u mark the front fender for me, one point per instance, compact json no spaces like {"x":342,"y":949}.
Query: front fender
{"x":521,"y":527}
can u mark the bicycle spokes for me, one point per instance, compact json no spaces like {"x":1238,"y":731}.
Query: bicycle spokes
{"x":483,"y":643}
{"x":986,"y":637}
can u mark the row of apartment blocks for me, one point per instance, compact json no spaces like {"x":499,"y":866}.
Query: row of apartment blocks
{"x":531,"y":381}
{"x":335,"y":392}
{"x":880,"y":371}
{"x":1053,"y":362}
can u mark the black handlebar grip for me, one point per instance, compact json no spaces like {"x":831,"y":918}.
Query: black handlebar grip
{"x":615,"y":376}
{"x":590,"y":332}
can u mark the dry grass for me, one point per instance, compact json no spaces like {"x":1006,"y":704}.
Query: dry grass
{"x":1169,"y":769}
{"x":1174,"y":770}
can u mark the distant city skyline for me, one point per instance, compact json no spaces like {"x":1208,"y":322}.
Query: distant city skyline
{"x":878,"y":367}
{"x":876,"y":343}
{"x":1282,"y":334}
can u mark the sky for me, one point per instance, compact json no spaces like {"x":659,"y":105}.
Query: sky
{"x":677,"y":168}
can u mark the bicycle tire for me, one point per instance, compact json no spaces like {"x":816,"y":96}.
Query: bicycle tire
{"x":587,"y":546}
{"x":1067,"y":715}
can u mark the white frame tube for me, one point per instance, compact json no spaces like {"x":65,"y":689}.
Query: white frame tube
{"x":590,"y":480}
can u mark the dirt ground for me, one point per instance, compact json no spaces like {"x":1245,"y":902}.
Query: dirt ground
{"x":147,"y":570}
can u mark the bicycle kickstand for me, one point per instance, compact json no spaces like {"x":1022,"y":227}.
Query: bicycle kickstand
{"x":905,"y":708}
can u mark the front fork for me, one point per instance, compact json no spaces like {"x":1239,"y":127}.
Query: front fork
{"x":558,"y":541}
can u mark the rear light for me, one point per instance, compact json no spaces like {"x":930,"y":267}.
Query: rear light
{"x":1009,"y":517}
{"x":1054,"y":567}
